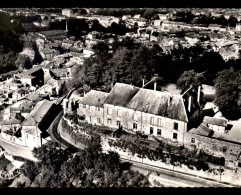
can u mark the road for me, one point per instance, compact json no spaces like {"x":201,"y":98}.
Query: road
{"x":176,"y":179}
{"x":53,"y":131}
{"x":17,"y":150}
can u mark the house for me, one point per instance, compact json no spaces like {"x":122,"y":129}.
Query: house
{"x":35,"y":125}
{"x":68,"y":12}
{"x":138,"y":109}
{"x":215,"y":124}
{"x":223,"y":140}
{"x":32,"y":77}
{"x":155,"y":36}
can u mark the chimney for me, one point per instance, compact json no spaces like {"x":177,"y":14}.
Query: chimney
{"x":198,"y":96}
{"x":155,"y":86}
{"x":143,"y":82}
{"x":133,"y":87}
{"x":190,"y":103}
{"x":66,"y":30}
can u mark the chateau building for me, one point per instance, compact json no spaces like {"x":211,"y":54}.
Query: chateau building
{"x":138,"y":109}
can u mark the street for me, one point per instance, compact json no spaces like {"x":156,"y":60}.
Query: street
{"x":17,"y":150}
{"x":174,"y":178}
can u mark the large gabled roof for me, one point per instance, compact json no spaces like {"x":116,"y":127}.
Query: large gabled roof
{"x":37,"y":114}
{"x":121,"y":94}
{"x":159,"y":103}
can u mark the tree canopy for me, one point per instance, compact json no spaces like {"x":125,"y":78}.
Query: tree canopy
{"x":228,"y":96}
{"x":85,"y":168}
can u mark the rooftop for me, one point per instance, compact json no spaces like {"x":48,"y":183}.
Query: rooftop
{"x":94,"y":98}
{"x":121,"y":94}
{"x":215,"y":121}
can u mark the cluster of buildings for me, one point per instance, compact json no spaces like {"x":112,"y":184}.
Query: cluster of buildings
{"x":165,"y":116}
{"x":30,"y":96}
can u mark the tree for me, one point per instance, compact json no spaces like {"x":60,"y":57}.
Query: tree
{"x":63,"y":89}
{"x":232,"y":21}
{"x":210,"y":63}
{"x":101,"y":48}
{"x":228,"y":96}
{"x":24,"y":62}
{"x":189,"y":78}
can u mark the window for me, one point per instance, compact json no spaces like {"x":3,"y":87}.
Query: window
{"x":84,"y":105}
{"x":135,"y":117}
{"x":118,"y":112}
{"x":97,"y":108}
{"x":134,"y":126}
{"x":98,"y":120}
{"x":151,"y":130}
{"x":90,"y":118}
{"x":175,"y":126}
{"x":159,"y":122}
{"x":152,"y":120}
{"x":224,"y":148}
{"x":174,"y":135}
{"x":118,"y":123}
{"x":109,"y":121}
{"x":193,"y":140}
{"x":159,"y":131}
{"x":109,"y":111}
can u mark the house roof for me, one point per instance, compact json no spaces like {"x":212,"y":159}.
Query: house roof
{"x":31,"y":131}
{"x":32,"y":70}
{"x":215,"y":121}
{"x":11,"y":121}
{"x":34,"y":97}
{"x":156,"y":102}
{"x":94,"y":98}
{"x":121,"y":94}
{"x":201,"y":130}
{"x":37,"y":114}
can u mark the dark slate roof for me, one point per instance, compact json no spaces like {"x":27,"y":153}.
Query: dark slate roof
{"x":215,"y":121}
{"x":38,"y":113}
{"x":156,"y":102}
{"x":121,"y":94}
{"x":94,"y":98}
{"x":32,"y":70}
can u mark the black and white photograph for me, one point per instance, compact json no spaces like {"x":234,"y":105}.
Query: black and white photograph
{"x":120,"y":97}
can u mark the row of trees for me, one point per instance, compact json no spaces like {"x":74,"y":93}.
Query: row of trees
{"x":78,"y":27}
{"x":188,"y":17}
{"x":88,"y":168}
{"x":130,"y":62}
{"x":148,"y":13}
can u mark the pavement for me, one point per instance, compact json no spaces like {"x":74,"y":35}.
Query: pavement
{"x":17,"y":150}
{"x":171,"y":178}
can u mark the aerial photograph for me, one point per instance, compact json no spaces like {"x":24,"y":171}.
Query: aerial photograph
{"x":120,"y":97}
